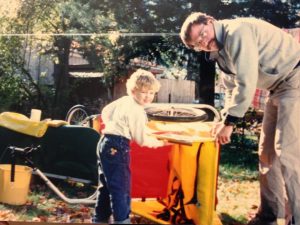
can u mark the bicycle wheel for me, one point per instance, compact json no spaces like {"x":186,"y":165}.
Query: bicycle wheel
{"x":78,"y":115}
{"x":175,"y":113}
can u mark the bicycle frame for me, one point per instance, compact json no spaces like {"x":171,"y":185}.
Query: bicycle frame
{"x":24,"y":153}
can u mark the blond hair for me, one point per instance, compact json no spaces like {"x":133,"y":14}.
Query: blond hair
{"x":193,"y":18}
{"x":142,"y":79}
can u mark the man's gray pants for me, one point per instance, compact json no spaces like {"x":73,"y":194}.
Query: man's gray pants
{"x":279,"y":151}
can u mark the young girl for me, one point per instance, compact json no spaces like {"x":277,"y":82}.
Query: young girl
{"x":125,"y":120}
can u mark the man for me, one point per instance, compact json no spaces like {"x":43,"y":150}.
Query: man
{"x":255,"y":54}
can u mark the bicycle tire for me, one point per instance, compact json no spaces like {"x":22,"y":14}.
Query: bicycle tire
{"x":78,"y":115}
{"x":182,"y":114}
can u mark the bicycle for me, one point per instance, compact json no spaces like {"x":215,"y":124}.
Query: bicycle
{"x":25,"y":154}
{"x":79,"y":115}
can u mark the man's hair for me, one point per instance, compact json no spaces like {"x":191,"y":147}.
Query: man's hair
{"x":193,"y":18}
{"x":142,"y":79}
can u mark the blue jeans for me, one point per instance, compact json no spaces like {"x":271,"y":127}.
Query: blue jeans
{"x":114,"y":174}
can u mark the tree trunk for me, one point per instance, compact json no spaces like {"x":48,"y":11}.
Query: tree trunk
{"x":206,"y":84}
{"x":61,"y":77}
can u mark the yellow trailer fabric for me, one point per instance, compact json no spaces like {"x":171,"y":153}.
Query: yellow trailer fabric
{"x":22,"y":124}
{"x":197,"y":163}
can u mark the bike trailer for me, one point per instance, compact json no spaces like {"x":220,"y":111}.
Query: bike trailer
{"x":188,"y":170}
{"x":66,"y":150}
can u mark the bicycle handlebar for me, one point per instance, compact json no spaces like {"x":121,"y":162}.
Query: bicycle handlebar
{"x":25,"y":150}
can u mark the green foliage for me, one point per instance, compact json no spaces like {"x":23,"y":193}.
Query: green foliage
{"x":239,"y":159}
{"x":18,"y":91}
{"x":12,"y":90}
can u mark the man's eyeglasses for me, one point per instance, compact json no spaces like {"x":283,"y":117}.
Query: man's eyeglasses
{"x":202,"y":34}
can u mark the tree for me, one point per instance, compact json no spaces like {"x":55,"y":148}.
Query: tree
{"x":59,"y":18}
{"x":165,"y":17}
{"x":16,"y":83}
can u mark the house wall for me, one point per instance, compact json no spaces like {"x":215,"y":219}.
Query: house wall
{"x":40,"y":67}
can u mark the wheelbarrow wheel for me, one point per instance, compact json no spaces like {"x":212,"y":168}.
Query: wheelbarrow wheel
{"x":78,"y":115}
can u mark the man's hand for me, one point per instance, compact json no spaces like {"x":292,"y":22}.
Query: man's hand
{"x":222,"y":133}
